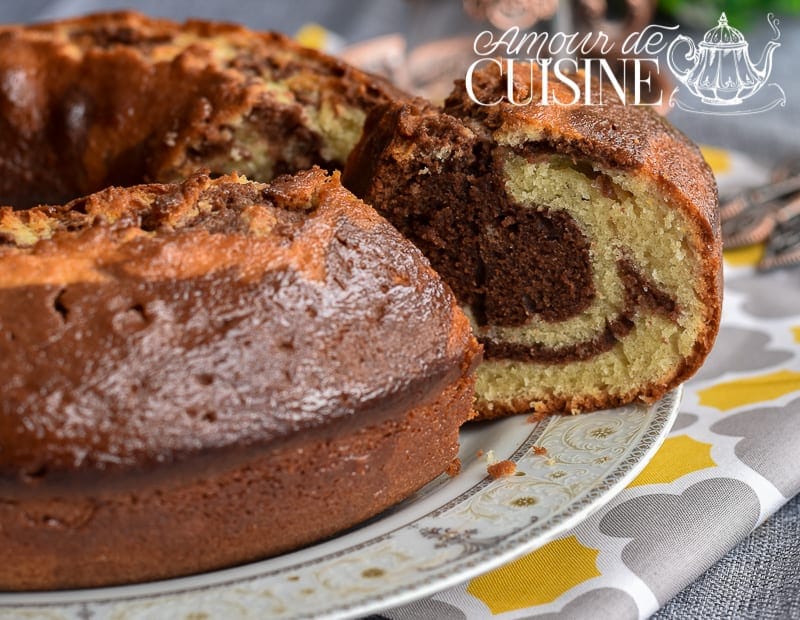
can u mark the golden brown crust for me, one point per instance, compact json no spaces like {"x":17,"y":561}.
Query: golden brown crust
{"x":214,"y":360}
{"x":582,"y":403}
{"x":80,"y":262}
{"x":259,"y":394}
{"x":119,"y":295}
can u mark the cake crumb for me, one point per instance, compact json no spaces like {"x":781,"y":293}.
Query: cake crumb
{"x":454,"y":468}
{"x":501,"y":469}
{"x":490,"y":458}
{"x":536,"y":416}
{"x":539,"y":450}
{"x":479,"y":453}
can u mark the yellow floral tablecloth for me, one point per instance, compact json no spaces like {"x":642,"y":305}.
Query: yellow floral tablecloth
{"x":729,"y":462}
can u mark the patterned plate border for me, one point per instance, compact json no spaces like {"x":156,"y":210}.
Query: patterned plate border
{"x":452,"y":531}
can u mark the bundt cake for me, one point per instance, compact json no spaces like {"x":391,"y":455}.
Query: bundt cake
{"x":120,"y":98}
{"x":251,"y":366}
{"x":582,"y":240}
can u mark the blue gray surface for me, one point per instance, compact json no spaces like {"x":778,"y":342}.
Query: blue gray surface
{"x":769,"y":136}
{"x":758,"y":580}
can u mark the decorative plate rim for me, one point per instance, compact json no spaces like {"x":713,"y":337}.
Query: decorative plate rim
{"x":508,"y":545}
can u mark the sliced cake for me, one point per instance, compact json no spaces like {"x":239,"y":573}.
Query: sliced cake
{"x":582,"y":240}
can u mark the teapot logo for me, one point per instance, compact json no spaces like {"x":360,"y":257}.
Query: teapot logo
{"x":720,"y":73}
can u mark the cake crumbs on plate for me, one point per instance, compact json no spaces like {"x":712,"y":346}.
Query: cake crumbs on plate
{"x":454,"y":468}
{"x":501,"y":469}
{"x":536,"y":416}
{"x":539,"y":450}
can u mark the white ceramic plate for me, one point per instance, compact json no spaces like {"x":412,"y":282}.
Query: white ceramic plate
{"x":450,"y":531}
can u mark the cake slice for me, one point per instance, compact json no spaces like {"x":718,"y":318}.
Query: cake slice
{"x":581,"y":240}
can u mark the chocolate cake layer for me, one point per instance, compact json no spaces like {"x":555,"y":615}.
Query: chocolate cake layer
{"x":511,"y":262}
{"x":639,"y":293}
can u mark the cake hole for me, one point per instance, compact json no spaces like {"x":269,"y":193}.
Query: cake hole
{"x":138,"y":309}
{"x":286,"y":345}
{"x":79,"y":206}
{"x":51,"y":521}
{"x":528,"y":304}
{"x":207,"y":416}
{"x":60,"y":307}
{"x":342,"y":238}
{"x":205,"y":378}
{"x":149,"y":222}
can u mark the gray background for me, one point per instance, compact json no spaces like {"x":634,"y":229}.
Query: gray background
{"x":769,"y":136}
